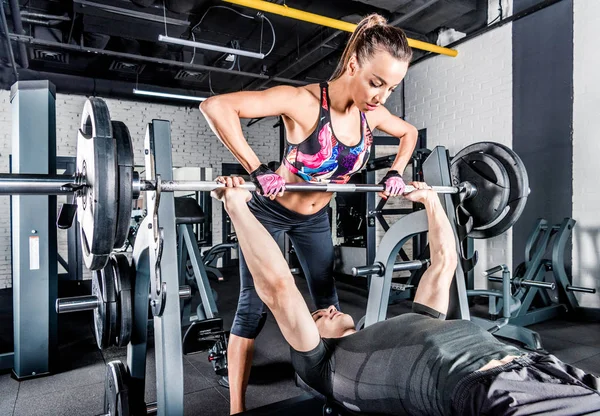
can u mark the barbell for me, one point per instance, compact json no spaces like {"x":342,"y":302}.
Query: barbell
{"x":105,"y":184}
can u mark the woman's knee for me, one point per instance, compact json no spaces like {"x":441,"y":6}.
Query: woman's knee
{"x":248,"y":324}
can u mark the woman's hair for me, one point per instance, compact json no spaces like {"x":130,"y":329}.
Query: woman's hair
{"x":373,"y":34}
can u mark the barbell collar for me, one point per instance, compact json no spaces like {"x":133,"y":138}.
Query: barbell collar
{"x":76,"y":304}
{"x":35,"y":184}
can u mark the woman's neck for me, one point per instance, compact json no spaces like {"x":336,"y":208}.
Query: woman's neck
{"x":339,"y":95}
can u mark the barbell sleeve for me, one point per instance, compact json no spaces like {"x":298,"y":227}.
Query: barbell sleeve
{"x":541,"y":285}
{"x":581,"y":289}
{"x":76,"y":304}
{"x":35,"y":184}
{"x":524,"y":282}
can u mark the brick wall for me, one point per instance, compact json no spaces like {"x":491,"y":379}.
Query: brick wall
{"x":193,"y":145}
{"x":464,"y":100}
{"x":586,"y":147}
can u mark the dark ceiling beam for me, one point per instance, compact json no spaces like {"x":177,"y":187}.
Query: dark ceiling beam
{"x":122,"y":55}
{"x":18,"y":28}
{"x":85,"y":85}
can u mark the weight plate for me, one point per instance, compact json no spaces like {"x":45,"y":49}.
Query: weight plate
{"x":124,"y":284}
{"x":491,"y":180}
{"x":100,"y":314}
{"x":116,"y":389}
{"x":125,"y":181}
{"x":518,"y":186}
{"x":97,"y":205}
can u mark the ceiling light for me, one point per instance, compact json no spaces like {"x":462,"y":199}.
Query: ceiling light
{"x":167,"y":95}
{"x":207,"y":46}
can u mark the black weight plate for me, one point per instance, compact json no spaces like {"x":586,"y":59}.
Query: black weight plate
{"x":519,"y":186}
{"x":97,"y":207}
{"x":105,"y":317}
{"x":101,"y":319}
{"x":116,"y":389}
{"x":125,"y":181}
{"x":124,"y":284}
{"x":491,"y":180}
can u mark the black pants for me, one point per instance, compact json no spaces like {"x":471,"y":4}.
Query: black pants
{"x":311,"y":237}
{"x":532,"y":384}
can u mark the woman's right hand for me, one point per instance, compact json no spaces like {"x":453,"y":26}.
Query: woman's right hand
{"x":267,"y":182}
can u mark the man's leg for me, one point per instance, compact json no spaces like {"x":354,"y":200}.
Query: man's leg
{"x":247,"y":324}
{"x":434,"y":288}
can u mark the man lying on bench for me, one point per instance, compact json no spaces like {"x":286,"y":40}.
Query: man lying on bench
{"x":417,"y":363}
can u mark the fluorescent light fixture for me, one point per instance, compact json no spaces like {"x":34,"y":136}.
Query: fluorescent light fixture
{"x":167,"y":95}
{"x":207,"y":46}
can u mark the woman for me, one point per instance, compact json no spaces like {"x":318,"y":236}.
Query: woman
{"x":328,"y":134}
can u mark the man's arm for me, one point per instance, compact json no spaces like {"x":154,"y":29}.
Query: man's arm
{"x":273,"y":280}
{"x":434,"y":287}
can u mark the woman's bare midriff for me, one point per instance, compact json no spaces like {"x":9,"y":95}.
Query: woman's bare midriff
{"x":305,"y":203}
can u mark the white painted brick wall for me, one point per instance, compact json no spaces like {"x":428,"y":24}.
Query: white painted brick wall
{"x":586,"y":147}
{"x":194,"y":144}
{"x":464,"y":100}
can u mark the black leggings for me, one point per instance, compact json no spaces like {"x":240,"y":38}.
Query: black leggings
{"x":311,"y":237}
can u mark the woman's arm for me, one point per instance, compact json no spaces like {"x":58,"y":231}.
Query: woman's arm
{"x":407,"y":133}
{"x":223,"y":113}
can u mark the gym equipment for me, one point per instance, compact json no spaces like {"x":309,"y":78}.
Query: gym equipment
{"x":111,"y":302}
{"x":212,"y":256}
{"x":203,"y":331}
{"x":437,"y":171}
{"x":541,"y":284}
{"x":499,"y":175}
{"x":500,"y":327}
{"x":33,"y":233}
{"x":116,"y":393}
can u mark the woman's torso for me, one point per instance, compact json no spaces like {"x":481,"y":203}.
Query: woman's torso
{"x":349,"y":131}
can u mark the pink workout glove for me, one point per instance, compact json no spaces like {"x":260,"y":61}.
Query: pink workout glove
{"x":267,"y":182}
{"x":394,"y":184}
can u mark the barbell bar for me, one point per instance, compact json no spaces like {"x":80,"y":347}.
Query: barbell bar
{"x":19,"y":184}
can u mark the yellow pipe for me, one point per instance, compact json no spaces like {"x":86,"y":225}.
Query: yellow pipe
{"x":329,"y":22}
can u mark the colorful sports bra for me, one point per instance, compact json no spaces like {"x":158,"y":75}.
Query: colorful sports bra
{"x":321,"y":157}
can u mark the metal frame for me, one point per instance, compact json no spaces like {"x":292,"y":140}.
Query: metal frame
{"x":188,"y":248}
{"x":159,"y":280}
{"x":436,"y":171}
{"x":34,"y":254}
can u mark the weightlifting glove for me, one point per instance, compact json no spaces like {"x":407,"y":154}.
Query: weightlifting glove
{"x":393,"y":182}
{"x":267,"y":182}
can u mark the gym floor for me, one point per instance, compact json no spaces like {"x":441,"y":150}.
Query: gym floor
{"x":77,"y":387}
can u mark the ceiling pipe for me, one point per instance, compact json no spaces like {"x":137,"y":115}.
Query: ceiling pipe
{"x":15,"y":13}
{"x":167,"y":62}
{"x":329,"y":22}
{"x":33,"y":15}
{"x":335,"y":34}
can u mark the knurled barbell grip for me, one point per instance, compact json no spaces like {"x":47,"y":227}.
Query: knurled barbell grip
{"x":206,"y":186}
{"x":76,"y":304}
